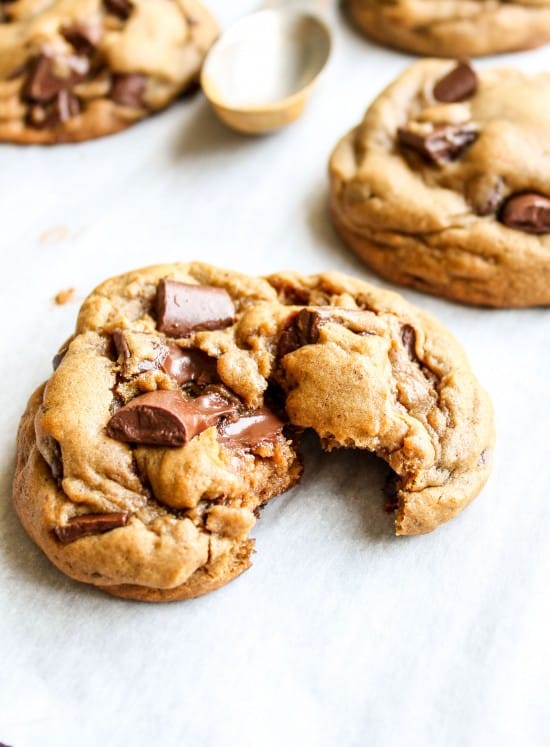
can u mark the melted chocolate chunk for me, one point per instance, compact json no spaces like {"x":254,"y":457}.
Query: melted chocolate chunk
{"x":529,"y":212}
{"x":301,"y":329}
{"x":408,"y":336}
{"x":83,"y":37}
{"x":443,"y":144}
{"x":391,"y":490}
{"x":128,"y":90}
{"x":44,"y":84}
{"x":120,"y":8}
{"x":50,"y":451}
{"x":90,"y":524}
{"x":458,"y":85}
{"x":189,"y":365}
{"x":131,"y":364}
{"x":251,"y":430}
{"x":165,"y":418}
{"x":184,"y":308}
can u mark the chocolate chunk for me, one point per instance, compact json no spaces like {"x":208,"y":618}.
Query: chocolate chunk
{"x":50,"y":450}
{"x":83,"y":37}
{"x":165,"y":418}
{"x":128,"y":90}
{"x":391,"y":490}
{"x":89,"y":524}
{"x":44,"y":82}
{"x":138,"y":352}
{"x":443,"y":144}
{"x":458,"y":85}
{"x":189,"y":365}
{"x":408,"y":336}
{"x":251,"y":430}
{"x":120,"y":8}
{"x":58,"y":357}
{"x":529,"y":212}
{"x":301,"y":329}
{"x":183,"y":308}
{"x":64,"y":106}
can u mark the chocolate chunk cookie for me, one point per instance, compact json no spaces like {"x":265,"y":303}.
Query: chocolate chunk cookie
{"x":445,"y":185}
{"x":174,"y":413}
{"x":74,"y":70}
{"x":453,"y":28}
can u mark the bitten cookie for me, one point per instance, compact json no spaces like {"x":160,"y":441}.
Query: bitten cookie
{"x":74,"y":70}
{"x":454,"y":28}
{"x":445,"y":185}
{"x":174,"y":412}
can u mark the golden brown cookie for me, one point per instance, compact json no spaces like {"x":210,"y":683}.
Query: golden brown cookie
{"x":454,"y":28}
{"x":74,"y":70}
{"x":173,"y":414}
{"x":445,"y":185}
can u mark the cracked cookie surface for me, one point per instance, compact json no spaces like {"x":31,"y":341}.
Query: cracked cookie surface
{"x":174,"y":413}
{"x":454,"y":28}
{"x":73,"y":70}
{"x":445,"y":184}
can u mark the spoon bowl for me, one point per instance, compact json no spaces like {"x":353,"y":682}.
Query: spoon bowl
{"x":259,"y":74}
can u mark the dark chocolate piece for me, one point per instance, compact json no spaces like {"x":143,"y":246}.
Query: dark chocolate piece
{"x":119,"y":8}
{"x":189,"y":365}
{"x":165,"y":418}
{"x":83,"y":37}
{"x":458,"y":85}
{"x":408,"y":336}
{"x":301,"y":329}
{"x":58,"y":357}
{"x":43,"y":84}
{"x":64,"y":106}
{"x":128,"y":90}
{"x":529,"y":212}
{"x":443,"y":144}
{"x":89,"y":524}
{"x":184,"y":308}
{"x":391,"y":491}
{"x":251,"y":430}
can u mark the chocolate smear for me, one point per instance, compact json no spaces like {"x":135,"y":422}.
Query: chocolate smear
{"x":443,"y":144}
{"x":251,"y":430}
{"x":529,"y":212}
{"x":83,"y":37}
{"x":458,"y":85}
{"x":301,"y":329}
{"x":119,"y":8}
{"x":128,"y":90}
{"x":131,"y":363}
{"x":90,"y":524}
{"x":183,"y":308}
{"x":165,"y":418}
{"x":408,"y":337}
{"x":189,"y":365}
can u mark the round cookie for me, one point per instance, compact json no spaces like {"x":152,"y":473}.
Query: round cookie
{"x":454,"y":28}
{"x":445,"y":185}
{"x":73,"y":70}
{"x":174,"y":411}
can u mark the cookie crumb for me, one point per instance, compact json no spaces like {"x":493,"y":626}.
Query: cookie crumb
{"x":53,"y":235}
{"x":65,"y":296}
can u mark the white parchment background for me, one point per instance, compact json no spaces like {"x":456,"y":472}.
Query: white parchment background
{"x":341,"y":634}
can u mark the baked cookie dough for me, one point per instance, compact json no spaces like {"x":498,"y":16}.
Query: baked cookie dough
{"x":445,"y":185}
{"x":74,"y":70}
{"x":174,"y":412}
{"x":454,"y":28}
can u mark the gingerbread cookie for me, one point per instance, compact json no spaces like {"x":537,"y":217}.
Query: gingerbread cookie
{"x":174,"y":411}
{"x":454,"y":28}
{"x":445,"y":185}
{"x":74,"y":70}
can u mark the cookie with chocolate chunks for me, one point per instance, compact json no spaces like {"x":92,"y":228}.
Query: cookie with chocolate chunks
{"x":450,"y":28}
{"x":170,"y":420}
{"x":80,"y":70}
{"x":444,"y":186}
